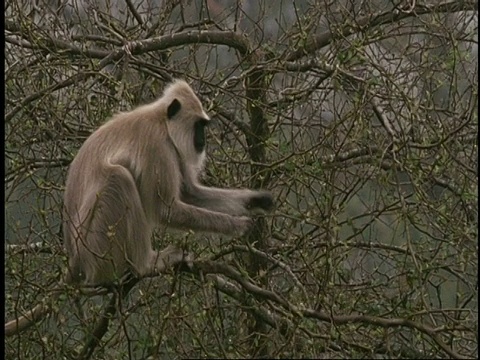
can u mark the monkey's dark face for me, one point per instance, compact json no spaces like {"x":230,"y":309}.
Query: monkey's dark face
{"x":199,"y":141}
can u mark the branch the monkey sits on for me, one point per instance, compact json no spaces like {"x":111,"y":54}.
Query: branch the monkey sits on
{"x":138,"y":171}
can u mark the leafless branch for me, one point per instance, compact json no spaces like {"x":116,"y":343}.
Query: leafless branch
{"x":317,"y":42}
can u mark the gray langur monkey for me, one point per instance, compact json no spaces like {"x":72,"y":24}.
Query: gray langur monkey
{"x":136,"y":172}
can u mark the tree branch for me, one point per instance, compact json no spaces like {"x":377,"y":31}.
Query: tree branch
{"x":208,"y":267}
{"x":273,"y":320}
{"x":319,"y":41}
{"x":139,"y":47}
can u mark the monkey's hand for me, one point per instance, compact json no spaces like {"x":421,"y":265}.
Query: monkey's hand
{"x":260,"y":202}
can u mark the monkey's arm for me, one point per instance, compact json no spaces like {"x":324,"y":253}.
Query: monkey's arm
{"x":230,"y":201}
{"x":181,"y":215}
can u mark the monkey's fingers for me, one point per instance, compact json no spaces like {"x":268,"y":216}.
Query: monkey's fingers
{"x":262,"y":200}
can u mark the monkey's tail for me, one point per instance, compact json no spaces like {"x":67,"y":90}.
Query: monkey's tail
{"x":22,"y":323}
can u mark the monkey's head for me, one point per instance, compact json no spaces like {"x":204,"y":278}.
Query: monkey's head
{"x":186,"y":122}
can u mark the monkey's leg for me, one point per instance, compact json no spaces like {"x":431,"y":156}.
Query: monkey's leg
{"x":115,"y":235}
{"x":123,"y":231}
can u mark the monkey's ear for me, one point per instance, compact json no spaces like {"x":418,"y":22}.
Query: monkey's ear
{"x":173,"y":108}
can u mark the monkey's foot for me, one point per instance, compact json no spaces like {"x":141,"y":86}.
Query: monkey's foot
{"x":172,"y":256}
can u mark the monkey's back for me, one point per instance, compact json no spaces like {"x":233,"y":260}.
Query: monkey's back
{"x":101,"y":193}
